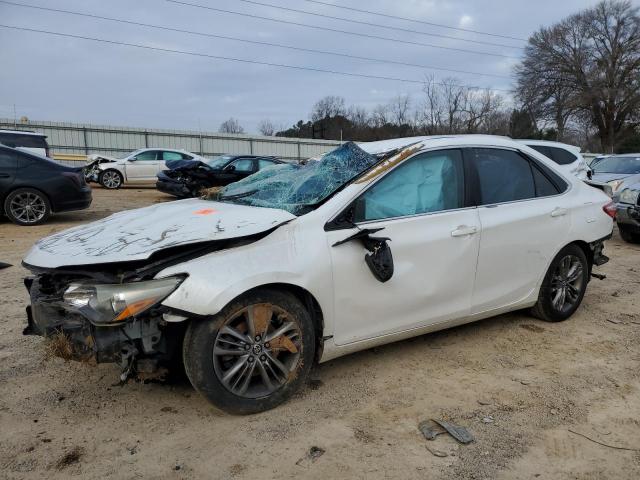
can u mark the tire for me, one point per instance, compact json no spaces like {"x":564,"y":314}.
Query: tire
{"x":552,"y":304}
{"x":627,"y":235}
{"x":236,"y":383}
{"x":27,"y":207}
{"x":111,"y":179}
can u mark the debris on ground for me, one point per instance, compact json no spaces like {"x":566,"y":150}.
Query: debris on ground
{"x":436,"y":453}
{"x":604,"y":444}
{"x":58,"y":345}
{"x":72,"y":456}
{"x":487,"y":419}
{"x":312,"y":455}
{"x":5,"y":265}
{"x":432,"y":428}
{"x":315,"y":384}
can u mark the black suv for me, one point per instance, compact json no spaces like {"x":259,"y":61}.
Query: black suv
{"x":33,"y":186}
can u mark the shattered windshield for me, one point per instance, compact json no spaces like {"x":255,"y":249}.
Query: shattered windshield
{"x":297,"y":188}
{"x":218,"y":162}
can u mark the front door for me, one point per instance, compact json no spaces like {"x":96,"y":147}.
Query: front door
{"x":8,"y":165}
{"x":434,"y":241}
{"x":524,"y":221}
{"x":144,"y":166}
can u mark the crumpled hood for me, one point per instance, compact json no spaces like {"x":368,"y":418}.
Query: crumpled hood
{"x":136,"y":234}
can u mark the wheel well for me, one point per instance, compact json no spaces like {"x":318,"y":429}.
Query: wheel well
{"x":588,"y":252}
{"x":310,"y":303}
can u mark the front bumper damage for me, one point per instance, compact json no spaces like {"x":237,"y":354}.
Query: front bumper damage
{"x":143,"y":346}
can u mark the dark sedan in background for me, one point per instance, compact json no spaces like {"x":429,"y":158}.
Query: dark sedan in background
{"x":187,"y":178}
{"x":33,"y":186}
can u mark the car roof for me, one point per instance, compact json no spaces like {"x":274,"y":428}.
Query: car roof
{"x":23,"y":132}
{"x":424,"y":142}
{"x":549,"y":143}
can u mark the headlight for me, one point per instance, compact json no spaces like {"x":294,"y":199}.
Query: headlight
{"x":105,"y":304}
{"x":615,"y":184}
{"x":629,"y":196}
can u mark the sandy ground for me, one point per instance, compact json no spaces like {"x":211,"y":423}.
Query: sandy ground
{"x":520,"y":385}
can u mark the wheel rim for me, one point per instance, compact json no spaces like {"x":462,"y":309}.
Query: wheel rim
{"x":257,"y":350}
{"x":567,"y":283}
{"x":111,"y":179}
{"x":28,"y":207}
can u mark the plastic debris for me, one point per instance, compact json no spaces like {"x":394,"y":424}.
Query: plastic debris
{"x":432,"y":428}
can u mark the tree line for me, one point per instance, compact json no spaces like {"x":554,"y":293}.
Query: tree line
{"x":578,"y":82}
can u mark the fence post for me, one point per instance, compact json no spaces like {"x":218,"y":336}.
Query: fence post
{"x":146,"y":139}
{"x":251,"y":146}
{"x":86,"y":143}
{"x":299,"y":151}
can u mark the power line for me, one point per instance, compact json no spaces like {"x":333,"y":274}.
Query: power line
{"x":234,"y":59}
{"x":335,"y":30}
{"x":255,"y":42}
{"x":370,"y":24}
{"x":407,"y":19}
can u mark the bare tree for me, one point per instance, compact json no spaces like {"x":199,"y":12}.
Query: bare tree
{"x":588,"y":62}
{"x":266,"y":128}
{"x":231,"y":126}
{"x":358,"y":116}
{"x":380,"y":116}
{"x":328,"y":107}
{"x":399,"y":109}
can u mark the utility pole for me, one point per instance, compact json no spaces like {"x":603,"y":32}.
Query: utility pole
{"x":15,"y":117}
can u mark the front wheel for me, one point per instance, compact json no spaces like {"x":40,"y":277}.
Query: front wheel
{"x":111,"y":179}
{"x":254,"y":354}
{"x":563,"y":286}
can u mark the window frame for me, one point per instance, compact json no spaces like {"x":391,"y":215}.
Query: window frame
{"x":148,"y":160}
{"x":547,"y":172}
{"x":239,"y":159}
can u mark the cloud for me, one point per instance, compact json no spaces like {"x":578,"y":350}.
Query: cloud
{"x":465,"y":21}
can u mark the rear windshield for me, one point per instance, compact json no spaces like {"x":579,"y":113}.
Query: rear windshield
{"x":19,"y":140}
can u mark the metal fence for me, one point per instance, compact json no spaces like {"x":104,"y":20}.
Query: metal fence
{"x":84,"y":139}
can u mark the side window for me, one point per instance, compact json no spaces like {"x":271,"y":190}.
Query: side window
{"x":8,"y":161}
{"x":562,"y":156}
{"x":243,"y":165}
{"x":171,"y":155}
{"x":148,"y":155}
{"x":544,"y":186}
{"x":544,"y":150}
{"x":504,"y":176}
{"x":186,"y":157}
{"x":429,"y":182}
{"x":264,"y":164}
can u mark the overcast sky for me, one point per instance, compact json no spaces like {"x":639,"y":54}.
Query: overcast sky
{"x":74,"y":80}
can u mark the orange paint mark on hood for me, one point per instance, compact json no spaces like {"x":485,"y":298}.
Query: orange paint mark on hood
{"x":206,"y":211}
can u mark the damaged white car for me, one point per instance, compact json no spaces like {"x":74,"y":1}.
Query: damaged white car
{"x":142,"y":165}
{"x":303,"y":263}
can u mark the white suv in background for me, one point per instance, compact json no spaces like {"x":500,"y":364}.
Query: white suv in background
{"x":567,"y":157}
{"x":139,"y":166}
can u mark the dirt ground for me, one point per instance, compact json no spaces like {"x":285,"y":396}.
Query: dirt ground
{"x":520,"y":385}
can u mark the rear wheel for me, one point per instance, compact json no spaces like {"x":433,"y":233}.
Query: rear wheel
{"x":627,"y":235}
{"x":111,"y":179}
{"x":27,"y":206}
{"x":254,"y":354}
{"x":563,"y":286}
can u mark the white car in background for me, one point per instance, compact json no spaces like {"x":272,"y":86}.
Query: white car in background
{"x":139,"y":166}
{"x":568,"y":157}
{"x":299,"y":264}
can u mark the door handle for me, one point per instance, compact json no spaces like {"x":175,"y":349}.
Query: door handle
{"x":463,"y":230}
{"x":559,"y":212}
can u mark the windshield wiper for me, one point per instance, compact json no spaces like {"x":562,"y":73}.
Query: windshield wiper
{"x":238,"y":195}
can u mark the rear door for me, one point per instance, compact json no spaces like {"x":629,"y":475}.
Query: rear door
{"x":8,"y":166}
{"x":524,"y":220}
{"x":144,"y":166}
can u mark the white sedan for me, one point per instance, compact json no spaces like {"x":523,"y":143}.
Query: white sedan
{"x":300,"y":264}
{"x":139,"y":166}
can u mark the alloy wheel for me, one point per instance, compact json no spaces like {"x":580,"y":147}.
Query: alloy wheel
{"x":28,"y":207}
{"x":256,"y":350}
{"x":567,"y":283}
{"x":111,"y":179}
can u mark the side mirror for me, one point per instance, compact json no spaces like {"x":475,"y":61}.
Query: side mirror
{"x":133,"y":159}
{"x":230,"y":168}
